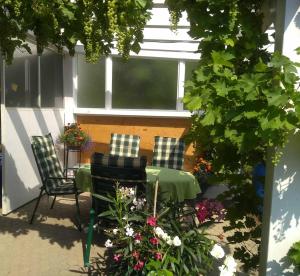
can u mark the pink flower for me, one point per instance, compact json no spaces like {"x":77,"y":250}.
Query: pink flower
{"x":151,"y":221}
{"x":137,"y":238}
{"x":154,"y":241}
{"x":136,"y":254}
{"x":139,"y":265}
{"x":158,"y":256}
{"x":117,"y":257}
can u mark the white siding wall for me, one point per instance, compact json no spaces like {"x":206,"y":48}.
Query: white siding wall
{"x":282,"y":204}
{"x":21,"y":180}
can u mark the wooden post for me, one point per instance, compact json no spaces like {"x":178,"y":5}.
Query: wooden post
{"x":155,"y":197}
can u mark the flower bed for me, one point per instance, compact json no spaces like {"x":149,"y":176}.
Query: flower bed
{"x":166,"y":243}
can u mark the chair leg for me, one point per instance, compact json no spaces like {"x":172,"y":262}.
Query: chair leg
{"x":36,"y":206}
{"x":86,"y":257}
{"x":52,"y":205}
{"x":78,"y":212}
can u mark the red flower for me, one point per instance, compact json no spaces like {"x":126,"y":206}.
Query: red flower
{"x":154,"y":241}
{"x":117,"y":257}
{"x":139,"y":265}
{"x":158,"y":256}
{"x":136,"y":254}
{"x":151,"y":221}
{"x":138,"y":237}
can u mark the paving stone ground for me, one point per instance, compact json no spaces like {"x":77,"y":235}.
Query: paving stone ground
{"x":53,"y":246}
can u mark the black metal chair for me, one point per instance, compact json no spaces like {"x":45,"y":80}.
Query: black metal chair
{"x":54,"y":182}
{"x":106,"y":170}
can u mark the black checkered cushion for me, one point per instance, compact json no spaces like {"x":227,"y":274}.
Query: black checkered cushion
{"x":168,"y":152}
{"x":119,"y":161}
{"x":124,"y":145}
{"x":49,"y":166}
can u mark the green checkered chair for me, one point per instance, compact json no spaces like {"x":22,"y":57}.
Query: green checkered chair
{"x":54,"y":183}
{"x":168,"y":152}
{"x":124,"y":145}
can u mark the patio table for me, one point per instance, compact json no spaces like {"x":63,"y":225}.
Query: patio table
{"x":173,"y":184}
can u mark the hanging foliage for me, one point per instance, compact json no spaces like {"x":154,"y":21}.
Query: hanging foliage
{"x":244,"y":100}
{"x":98,"y":25}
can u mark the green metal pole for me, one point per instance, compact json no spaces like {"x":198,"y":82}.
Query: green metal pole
{"x":86,"y":258}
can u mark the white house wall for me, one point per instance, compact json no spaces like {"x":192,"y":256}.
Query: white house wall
{"x":20,"y":174}
{"x":281,"y":226}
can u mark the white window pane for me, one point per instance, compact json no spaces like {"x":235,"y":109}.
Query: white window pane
{"x":91,"y":83}
{"x":144,"y":84}
{"x":51,"y":79}
{"x":190,"y":66}
{"x":21,"y":80}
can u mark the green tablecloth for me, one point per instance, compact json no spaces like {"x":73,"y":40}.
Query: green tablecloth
{"x":173,"y":184}
{"x":83,"y":178}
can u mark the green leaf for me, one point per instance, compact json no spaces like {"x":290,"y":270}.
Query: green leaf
{"x":209,"y":118}
{"x":106,"y":213}
{"x":200,"y":76}
{"x":195,"y":103}
{"x":142,"y":3}
{"x":104,"y":198}
{"x":66,"y":12}
{"x":229,"y":42}
{"x":222,"y":58}
{"x":251,"y":114}
{"x":221,"y":88}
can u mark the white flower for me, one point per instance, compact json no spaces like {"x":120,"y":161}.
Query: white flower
{"x":132,"y":208}
{"x":176,"y":241}
{"x":125,"y":217}
{"x":224,"y":271}
{"x":129,"y":231}
{"x":115,"y":231}
{"x":131,"y":191}
{"x":165,"y":236}
{"x":230,"y":263}
{"x":159,"y":232}
{"x":217,"y":252}
{"x":229,"y":267}
{"x":108,"y":243}
{"x":169,"y":240}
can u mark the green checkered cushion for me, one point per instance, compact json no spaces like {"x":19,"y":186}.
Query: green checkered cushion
{"x":49,"y":166}
{"x":124,"y":145}
{"x":168,"y":152}
{"x":119,"y":161}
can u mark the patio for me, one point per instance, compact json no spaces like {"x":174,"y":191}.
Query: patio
{"x":231,"y":106}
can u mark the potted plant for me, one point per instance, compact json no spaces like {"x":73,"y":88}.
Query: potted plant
{"x":73,"y":136}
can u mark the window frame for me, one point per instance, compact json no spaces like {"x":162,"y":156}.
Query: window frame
{"x":109,"y":111}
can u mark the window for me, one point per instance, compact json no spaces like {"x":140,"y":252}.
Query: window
{"x":22,"y":79}
{"x":144,"y":84}
{"x":91,"y":83}
{"x":51,"y":79}
{"x":190,"y":66}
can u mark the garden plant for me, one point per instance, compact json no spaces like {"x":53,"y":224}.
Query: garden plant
{"x":143,"y":242}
